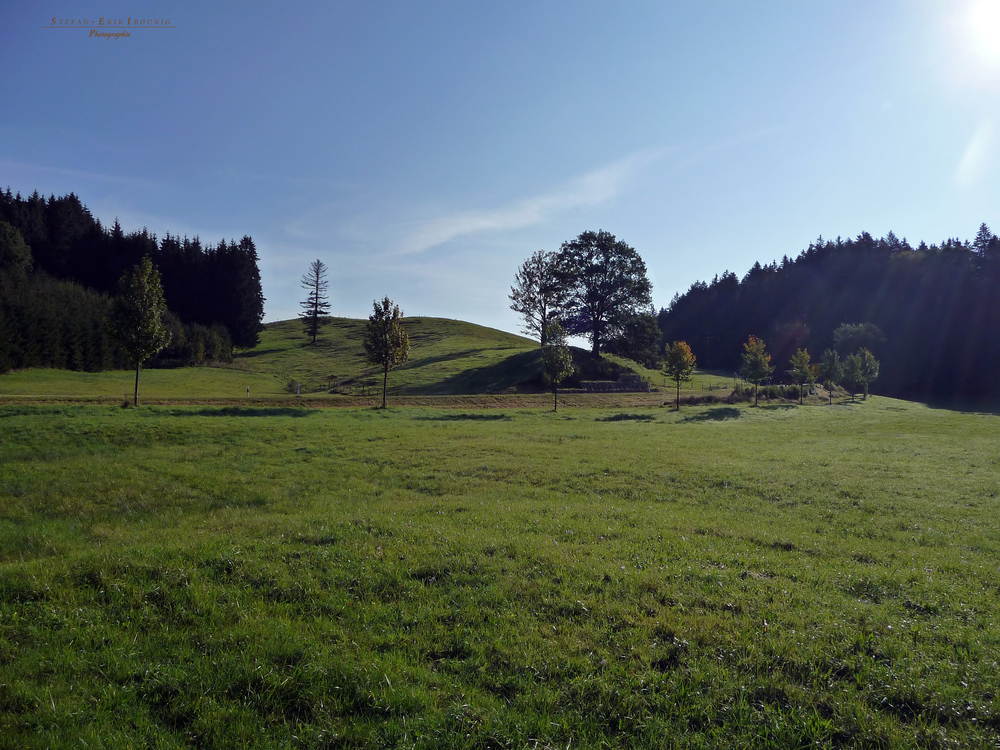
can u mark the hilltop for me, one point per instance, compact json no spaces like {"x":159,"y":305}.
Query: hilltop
{"x":446,"y":357}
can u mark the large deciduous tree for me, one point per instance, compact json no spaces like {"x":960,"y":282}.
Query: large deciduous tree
{"x":137,"y":315}
{"x":557,"y":360}
{"x":679,"y":366}
{"x":386,"y":343}
{"x":538,"y":294}
{"x":316,"y":306}
{"x":756,"y":364}
{"x":606,"y":284}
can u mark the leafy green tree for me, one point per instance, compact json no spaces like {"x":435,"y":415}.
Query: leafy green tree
{"x":869,"y":369}
{"x":386,"y":343}
{"x":538,"y":294}
{"x":316,"y":306}
{"x":639,"y":340}
{"x":801,"y":370}
{"x":831,"y":369}
{"x":679,"y":366}
{"x":137,"y":316}
{"x":557,"y":360}
{"x":853,"y":378}
{"x":607,"y":286}
{"x":756,"y":366}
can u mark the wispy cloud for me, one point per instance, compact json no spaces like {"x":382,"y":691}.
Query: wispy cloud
{"x":592,"y":189}
{"x":975,"y":158}
{"x":16,"y":167}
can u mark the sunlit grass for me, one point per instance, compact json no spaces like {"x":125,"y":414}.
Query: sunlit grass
{"x":725,"y":576}
{"x":180,"y":383}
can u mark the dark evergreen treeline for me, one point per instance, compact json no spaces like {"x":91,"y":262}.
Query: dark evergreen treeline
{"x":54,"y":305}
{"x":937,"y":306}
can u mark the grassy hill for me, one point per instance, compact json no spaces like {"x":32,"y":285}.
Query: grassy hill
{"x":447,"y":358}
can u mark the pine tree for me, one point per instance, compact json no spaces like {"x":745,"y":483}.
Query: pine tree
{"x":316,"y":306}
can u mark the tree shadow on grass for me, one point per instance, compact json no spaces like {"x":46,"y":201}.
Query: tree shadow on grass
{"x":239,"y":411}
{"x":966,"y":404}
{"x":720,"y":414}
{"x":628,"y":418}
{"x":468,"y":418}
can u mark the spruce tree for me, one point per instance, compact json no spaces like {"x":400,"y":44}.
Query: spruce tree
{"x":316,"y":306}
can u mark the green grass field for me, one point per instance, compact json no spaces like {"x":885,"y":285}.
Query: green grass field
{"x":723,"y":577}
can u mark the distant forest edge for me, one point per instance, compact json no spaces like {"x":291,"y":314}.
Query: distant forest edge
{"x":938,"y":307}
{"x":59,"y":267}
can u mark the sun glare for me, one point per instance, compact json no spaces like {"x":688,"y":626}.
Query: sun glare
{"x":982,"y":34}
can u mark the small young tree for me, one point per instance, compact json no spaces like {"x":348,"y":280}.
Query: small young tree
{"x":316,"y":306}
{"x":386,"y":343}
{"x":831,"y":370}
{"x":853,"y":379}
{"x":756,"y":364}
{"x":137,"y":315}
{"x":557,"y":361}
{"x":801,"y":370}
{"x":869,"y":368}
{"x":679,"y":366}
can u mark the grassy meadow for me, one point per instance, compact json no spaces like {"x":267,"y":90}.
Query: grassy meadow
{"x":287,"y":577}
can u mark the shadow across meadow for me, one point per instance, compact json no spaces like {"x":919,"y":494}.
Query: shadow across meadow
{"x":628,"y":418}
{"x":468,"y":418}
{"x":720,"y":414}
{"x":240,"y":411}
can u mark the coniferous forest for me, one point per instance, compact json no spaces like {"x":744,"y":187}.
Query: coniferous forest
{"x":59,"y":268}
{"x":937,"y":307}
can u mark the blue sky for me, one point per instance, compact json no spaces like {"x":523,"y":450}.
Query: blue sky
{"x":424,"y":149}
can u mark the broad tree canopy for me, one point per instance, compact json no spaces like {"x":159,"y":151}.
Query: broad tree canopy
{"x":607,"y":285}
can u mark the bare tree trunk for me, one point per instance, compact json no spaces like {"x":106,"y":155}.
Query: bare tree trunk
{"x":135,"y":400}
{"x":385,"y":379}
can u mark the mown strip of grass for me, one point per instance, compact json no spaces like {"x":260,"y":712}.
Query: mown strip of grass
{"x":725,"y":576}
